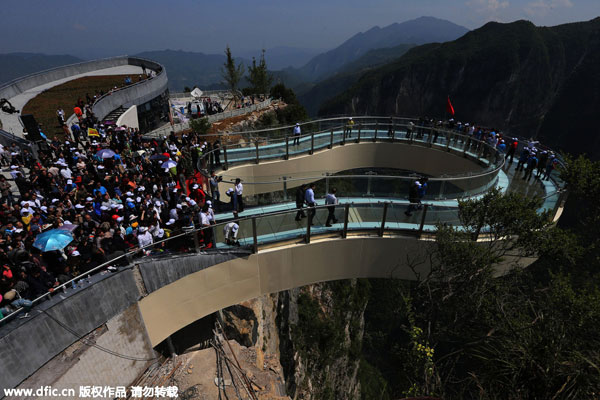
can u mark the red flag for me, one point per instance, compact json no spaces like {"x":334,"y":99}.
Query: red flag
{"x":449,"y":108}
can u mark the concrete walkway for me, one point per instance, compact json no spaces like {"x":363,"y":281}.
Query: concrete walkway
{"x":11,"y":122}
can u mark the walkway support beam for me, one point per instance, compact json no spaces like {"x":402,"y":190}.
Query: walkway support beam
{"x":254,"y":236}
{"x":425,"y":208}
{"x":287,"y":147}
{"x":346,"y":214}
{"x":330,"y":140}
{"x":309,"y":222}
{"x":376,"y":129}
{"x":383,"y":218}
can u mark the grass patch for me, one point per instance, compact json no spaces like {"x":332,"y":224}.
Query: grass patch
{"x":44,"y":105}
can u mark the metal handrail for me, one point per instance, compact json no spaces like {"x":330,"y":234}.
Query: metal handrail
{"x":402,"y":177}
{"x":445,"y":132}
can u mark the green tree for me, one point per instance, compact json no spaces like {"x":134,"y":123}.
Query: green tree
{"x":232,"y":73}
{"x":258,"y":75}
{"x":524,"y":334}
{"x":280,"y":91}
{"x":200,"y":125}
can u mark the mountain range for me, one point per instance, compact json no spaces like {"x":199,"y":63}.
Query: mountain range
{"x":532,"y":81}
{"x":299,"y":68}
{"x":417,"y":31}
{"x":15,"y":65}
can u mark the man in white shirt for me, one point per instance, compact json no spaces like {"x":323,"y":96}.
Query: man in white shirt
{"x":230,"y":232}
{"x":309,"y":198}
{"x":145,"y":239}
{"x":66,"y":172}
{"x":297,"y":133}
{"x":205,"y":224}
{"x":238,"y":203}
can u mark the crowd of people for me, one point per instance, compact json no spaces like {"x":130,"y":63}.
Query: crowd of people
{"x":531,"y":158}
{"x":140,"y":192}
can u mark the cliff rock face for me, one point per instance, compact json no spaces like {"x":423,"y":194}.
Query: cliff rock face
{"x":320,"y":332}
{"x":310,"y":336}
{"x":526,"y":80}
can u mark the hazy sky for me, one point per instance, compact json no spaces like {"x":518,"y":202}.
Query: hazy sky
{"x":110,"y":27}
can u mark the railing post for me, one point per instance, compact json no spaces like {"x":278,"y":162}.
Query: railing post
{"x":256,"y":144}
{"x":326,"y":182}
{"x":254,"y":236}
{"x":442,"y":187}
{"x":343,"y":135}
{"x":385,"y":208}
{"x":285,"y":188}
{"x":287,"y":147}
{"x":331,"y":140}
{"x":346,"y":214}
{"x":425,"y":208}
{"x":359,"y":129}
{"x":448,"y":139}
{"x":312,"y":143}
{"x":308,"y":225}
{"x":225,"y":166}
{"x":376,"y":129}
{"x":393,"y":131}
{"x":196,"y":240}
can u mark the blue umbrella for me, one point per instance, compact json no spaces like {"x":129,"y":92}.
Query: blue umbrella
{"x":54,"y":239}
{"x":160,"y":157}
{"x":105,"y":153}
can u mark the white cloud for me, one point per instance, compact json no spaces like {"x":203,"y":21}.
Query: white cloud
{"x":487,"y":6}
{"x":541,"y":8}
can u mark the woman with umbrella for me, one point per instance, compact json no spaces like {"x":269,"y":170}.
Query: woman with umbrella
{"x":170,"y":166}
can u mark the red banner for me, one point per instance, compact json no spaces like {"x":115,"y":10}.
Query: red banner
{"x":449,"y":108}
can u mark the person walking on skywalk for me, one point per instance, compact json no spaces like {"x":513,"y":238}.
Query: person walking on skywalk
{"x":300,"y":202}
{"x":348,"y":128}
{"x":331,"y":202}
{"x":297,"y":133}
{"x":309,"y":197}
{"x":416,"y":192}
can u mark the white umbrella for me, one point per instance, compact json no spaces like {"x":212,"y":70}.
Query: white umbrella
{"x":168,"y":164}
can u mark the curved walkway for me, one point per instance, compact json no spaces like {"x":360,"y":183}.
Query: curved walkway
{"x":11,"y":122}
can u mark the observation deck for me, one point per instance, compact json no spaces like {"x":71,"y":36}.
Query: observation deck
{"x":372,"y":238}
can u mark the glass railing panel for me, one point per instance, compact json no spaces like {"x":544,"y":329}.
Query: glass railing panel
{"x":271,"y":149}
{"x":241,"y":152}
{"x":397,"y":217}
{"x":365,"y":216}
{"x":441,"y":215}
{"x":270,"y":228}
{"x":300,"y":145}
{"x":322,"y":140}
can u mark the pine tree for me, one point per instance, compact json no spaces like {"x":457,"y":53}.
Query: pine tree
{"x":232,"y":73}
{"x":258,"y":75}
